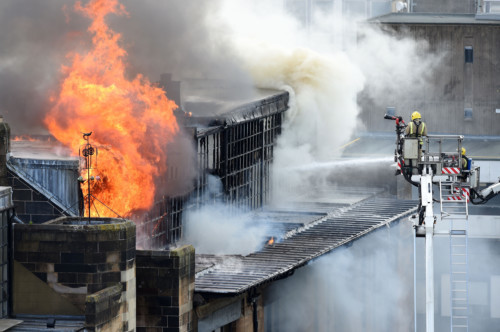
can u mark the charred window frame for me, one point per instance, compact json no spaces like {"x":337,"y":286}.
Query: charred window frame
{"x":241,"y":156}
{"x":238,"y":154}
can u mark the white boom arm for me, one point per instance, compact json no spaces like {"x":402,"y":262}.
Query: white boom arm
{"x":493,"y":189}
{"x":426,"y":200}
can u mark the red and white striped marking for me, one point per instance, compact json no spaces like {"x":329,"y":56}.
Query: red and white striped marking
{"x":465,"y":195}
{"x":450,"y":170}
{"x":399,"y":164}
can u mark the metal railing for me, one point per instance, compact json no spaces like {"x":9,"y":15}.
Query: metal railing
{"x":435,"y":153}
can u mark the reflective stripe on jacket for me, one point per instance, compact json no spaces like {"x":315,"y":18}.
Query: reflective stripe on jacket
{"x":416,"y":132}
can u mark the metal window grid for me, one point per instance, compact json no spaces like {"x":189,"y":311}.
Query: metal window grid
{"x":240,"y":155}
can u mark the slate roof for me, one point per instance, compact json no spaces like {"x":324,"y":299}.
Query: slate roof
{"x":297,"y":246}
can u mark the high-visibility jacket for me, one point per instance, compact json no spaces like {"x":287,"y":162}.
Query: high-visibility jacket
{"x":412,"y":130}
{"x":465,"y":162}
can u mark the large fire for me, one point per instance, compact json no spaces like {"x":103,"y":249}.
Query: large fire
{"x":131,"y":120}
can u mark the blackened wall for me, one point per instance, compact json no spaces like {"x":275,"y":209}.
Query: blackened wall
{"x":58,"y":265}
{"x":165,"y":290}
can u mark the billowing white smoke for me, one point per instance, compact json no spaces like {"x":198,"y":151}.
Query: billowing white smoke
{"x":324,"y":81}
{"x":366,"y":287}
{"x":217,"y":228}
{"x":322,"y":115}
{"x":322,"y":86}
{"x":227,"y":39}
{"x":398,"y":70}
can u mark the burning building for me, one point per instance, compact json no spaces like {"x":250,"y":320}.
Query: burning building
{"x":80,"y":274}
{"x":235,"y":144}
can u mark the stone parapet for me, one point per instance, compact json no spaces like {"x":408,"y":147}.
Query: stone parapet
{"x":165,"y":289}
{"x":103,"y":310}
{"x":71,"y":259}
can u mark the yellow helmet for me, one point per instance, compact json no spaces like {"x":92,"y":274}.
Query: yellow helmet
{"x":463,"y":151}
{"x":415,"y":115}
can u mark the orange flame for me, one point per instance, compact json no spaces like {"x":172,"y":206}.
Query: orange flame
{"x":132,"y":120}
{"x":271,"y":241}
{"x":24,"y":138}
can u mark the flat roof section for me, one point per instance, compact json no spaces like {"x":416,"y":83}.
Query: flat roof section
{"x":215,"y":102}
{"x":40,"y":149}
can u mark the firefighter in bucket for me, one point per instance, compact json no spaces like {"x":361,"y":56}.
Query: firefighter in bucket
{"x":416,"y":129}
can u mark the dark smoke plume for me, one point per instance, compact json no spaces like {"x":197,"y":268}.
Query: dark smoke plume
{"x":177,"y":37}
{"x":35,"y":38}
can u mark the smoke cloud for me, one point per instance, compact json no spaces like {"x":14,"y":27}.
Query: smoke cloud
{"x":365,"y":287}
{"x":35,"y":37}
{"x":184,"y":38}
{"x":218,"y":228}
{"x":259,"y":43}
{"x":398,"y":70}
{"x":326,"y":68}
{"x":181,"y":38}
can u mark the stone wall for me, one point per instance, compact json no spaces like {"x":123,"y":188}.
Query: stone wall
{"x":453,"y":86}
{"x":31,"y":205}
{"x":102,"y":310}
{"x":165,"y":290}
{"x":252,"y":316}
{"x":58,"y":264}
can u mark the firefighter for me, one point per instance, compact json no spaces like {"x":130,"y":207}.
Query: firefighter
{"x":465,"y":160}
{"x":416,"y":128}
{"x":464,"y":172}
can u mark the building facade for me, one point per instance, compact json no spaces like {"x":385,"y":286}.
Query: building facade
{"x":463,"y":94}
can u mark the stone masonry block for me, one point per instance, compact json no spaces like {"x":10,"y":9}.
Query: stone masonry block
{"x":95,"y":257}
{"x":44,"y":257}
{"x":41,"y":218}
{"x":28,"y":246}
{"x":78,"y":268}
{"x":67,"y":278}
{"x":41,"y":208}
{"x":44,"y":267}
{"x":69,"y":257}
{"x":22,"y":195}
{"x":112,"y":245}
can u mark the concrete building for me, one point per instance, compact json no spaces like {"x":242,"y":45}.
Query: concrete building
{"x":462,"y":96}
{"x":309,"y":11}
